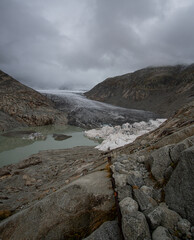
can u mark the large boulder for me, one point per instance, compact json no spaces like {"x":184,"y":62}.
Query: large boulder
{"x":75,"y":210}
{"x":134,"y":224}
{"x":179,"y":191}
{"x":107,"y":231}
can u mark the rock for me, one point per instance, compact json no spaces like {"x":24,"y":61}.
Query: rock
{"x":120,"y":179}
{"x":169,"y":218}
{"x":128,"y":205}
{"x":179,"y":191}
{"x":135,"y":179}
{"x":161,"y":161}
{"x":46,"y":171}
{"x":60,"y":137}
{"x":161,"y":233}
{"x":107,"y":231}
{"x":7,"y":122}
{"x":192,"y":231}
{"x":134,"y":225}
{"x":120,"y":168}
{"x":124,"y":192}
{"x":163,"y":216}
{"x":145,"y":202}
{"x":76,"y":209}
{"x":180,"y":147}
{"x":155,"y":218}
{"x":147,"y":190}
{"x":184,"y":226}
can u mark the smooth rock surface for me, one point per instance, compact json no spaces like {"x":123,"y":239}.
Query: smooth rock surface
{"x":78,"y":208}
{"x":107,"y":231}
{"x":179,"y":191}
{"x":161,"y":233}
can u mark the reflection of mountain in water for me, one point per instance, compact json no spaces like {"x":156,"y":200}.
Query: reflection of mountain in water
{"x":8,"y":143}
{"x":87,"y":113}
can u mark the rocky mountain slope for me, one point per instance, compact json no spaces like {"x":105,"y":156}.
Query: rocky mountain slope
{"x":21,"y":106}
{"x":154,"y":181}
{"x":67,"y":194}
{"x":158,"y":89}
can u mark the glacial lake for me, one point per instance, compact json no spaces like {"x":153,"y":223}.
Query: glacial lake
{"x":18,"y":147}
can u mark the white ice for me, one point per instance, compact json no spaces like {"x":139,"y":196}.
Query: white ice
{"x":114,"y":137}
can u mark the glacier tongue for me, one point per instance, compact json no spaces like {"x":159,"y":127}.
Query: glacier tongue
{"x":114,"y":137}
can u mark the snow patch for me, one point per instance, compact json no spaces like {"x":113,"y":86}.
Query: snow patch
{"x":118,"y":136}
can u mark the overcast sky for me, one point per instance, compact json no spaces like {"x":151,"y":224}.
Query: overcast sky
{"x":79,"y":43}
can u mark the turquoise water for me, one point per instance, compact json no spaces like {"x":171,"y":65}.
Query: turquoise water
{"x":15,"y":149}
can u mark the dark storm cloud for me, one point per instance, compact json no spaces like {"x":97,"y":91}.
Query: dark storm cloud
{"x":79,"y":43}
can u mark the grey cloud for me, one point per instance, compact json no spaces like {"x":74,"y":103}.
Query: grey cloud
{"x":47,"y":44}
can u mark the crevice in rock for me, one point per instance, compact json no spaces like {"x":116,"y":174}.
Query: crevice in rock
{"x":119,"y":215}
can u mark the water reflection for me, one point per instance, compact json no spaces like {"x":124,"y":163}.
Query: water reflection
{"x":15,"y":146}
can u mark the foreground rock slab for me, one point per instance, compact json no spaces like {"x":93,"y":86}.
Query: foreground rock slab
{"x":78,"y":208}
{"x":56,"y":194}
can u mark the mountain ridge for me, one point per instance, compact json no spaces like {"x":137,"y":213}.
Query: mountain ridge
{"x":158,"y":89}
{"x":22,"y":106}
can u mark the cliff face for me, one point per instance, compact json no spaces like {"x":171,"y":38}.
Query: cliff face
{"x":21,"y":105}
{"x":159,"y":89}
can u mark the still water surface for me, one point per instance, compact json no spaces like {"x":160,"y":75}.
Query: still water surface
{"x":14,"y":149}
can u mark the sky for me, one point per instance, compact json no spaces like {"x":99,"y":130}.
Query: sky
{"x":48,"y":44}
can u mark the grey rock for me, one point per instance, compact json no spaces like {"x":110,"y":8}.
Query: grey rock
{"x":155,"y":217}
{"x":128,"y":205}
{"x":124,"y":192}
{"x":164,"y":217}
{"x":161,"y":161}
{"x":169,"y":218}
{"x":147,"y":190}
{"x":7,"y":122}
{"x":168,"y":172}
{"x":134,"y":224}
{"x":179,"y":191}
{"x":192,"y":232}
{"x":73,"y":209}
{"x":135,"y":179}
{"x":161,"y":233}
{"x":107,"y":231}
{"x":120,"y":179}
{"x":60,"y":137}
{"x":120,"y":168}
{"x":145,"y":202}
{"x":184,"y":226}
{"x":180,"y":147}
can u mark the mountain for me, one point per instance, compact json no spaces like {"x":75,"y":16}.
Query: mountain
{"x":23,"y":106}
{"x":162,"y":90}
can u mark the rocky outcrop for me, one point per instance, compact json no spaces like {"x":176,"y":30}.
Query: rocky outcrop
{"x":107,"y":231}
{"x":23,"y":106}
{"x":157,"y":89}
{"x":154,"y":180}
{"x":56,"y":194}
{"x":179,"y":190}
